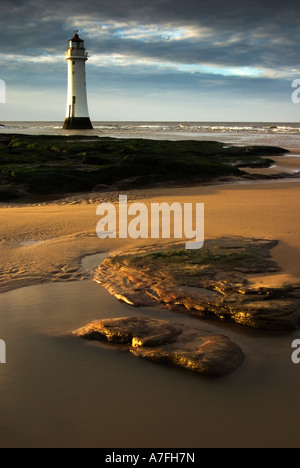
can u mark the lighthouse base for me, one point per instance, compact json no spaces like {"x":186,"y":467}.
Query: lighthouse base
{"x":78,"y":123}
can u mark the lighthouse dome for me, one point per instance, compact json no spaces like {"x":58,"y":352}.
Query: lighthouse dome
{"x":76,"y":38}
{"x":76,"y":42}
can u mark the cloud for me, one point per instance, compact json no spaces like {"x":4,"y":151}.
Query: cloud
{"x":234,"y":32}
{"x":149,"y":65}
{"x":249,"y":47}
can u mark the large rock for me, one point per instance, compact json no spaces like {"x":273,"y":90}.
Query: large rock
{"x":212,"y":281}
{"x":164,"y":341}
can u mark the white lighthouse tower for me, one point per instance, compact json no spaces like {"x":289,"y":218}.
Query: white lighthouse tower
{"x":77,"y":115}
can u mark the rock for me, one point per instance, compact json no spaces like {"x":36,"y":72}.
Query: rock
{"x":210,"y":282}
{"x":163,"y":341}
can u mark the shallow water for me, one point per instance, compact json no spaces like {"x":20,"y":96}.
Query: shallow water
{"x":59,"y":391}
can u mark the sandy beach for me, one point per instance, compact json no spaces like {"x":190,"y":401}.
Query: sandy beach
{"x":46,"y":242}
{"x":42,"y":302}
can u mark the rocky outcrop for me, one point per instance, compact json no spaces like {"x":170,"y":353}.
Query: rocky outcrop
{"x":163,"y":341}
{"x":210,"y":282}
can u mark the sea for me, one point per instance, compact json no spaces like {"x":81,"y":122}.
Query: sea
{"x":282,"y":134}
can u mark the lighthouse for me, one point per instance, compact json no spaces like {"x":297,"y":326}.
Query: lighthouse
{"x":77,"y":115}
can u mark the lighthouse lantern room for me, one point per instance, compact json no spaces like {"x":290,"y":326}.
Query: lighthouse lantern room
{"x":77,"y":115}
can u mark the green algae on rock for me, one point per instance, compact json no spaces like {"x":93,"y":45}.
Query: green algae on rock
{"x":163,"y":341}
{"x":40,"y":166}
{"x":210,"y":282}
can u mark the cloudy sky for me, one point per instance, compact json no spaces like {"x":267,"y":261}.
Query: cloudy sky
{"x":194,"y":60}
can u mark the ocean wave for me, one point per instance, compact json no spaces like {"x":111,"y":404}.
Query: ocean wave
{"x":149,"y":129}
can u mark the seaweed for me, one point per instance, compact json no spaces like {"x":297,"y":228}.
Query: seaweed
{"x":56,"y":165}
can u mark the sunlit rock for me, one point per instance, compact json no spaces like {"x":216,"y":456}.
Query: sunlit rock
{"x":209,"y":282}
{"x":163,"y":341}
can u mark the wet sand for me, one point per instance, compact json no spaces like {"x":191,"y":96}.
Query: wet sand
{"x":58,"y":391}
{"x":288,"y":164}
